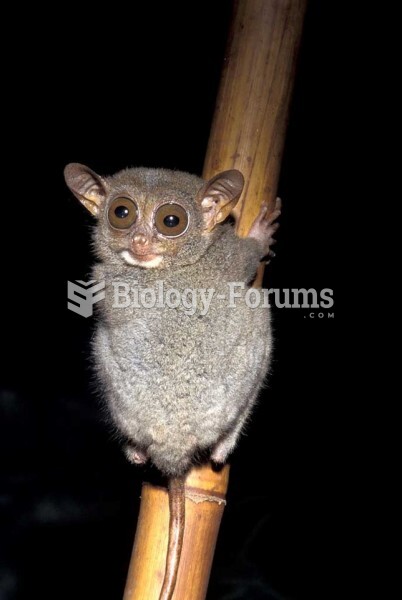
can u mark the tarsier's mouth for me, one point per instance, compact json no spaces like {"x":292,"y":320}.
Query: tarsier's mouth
{"x":141,"y":251}
{"x":143,"y":255}
{"x":148,"y":261}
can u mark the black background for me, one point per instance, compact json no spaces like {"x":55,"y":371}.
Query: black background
{"x":138,"y":88}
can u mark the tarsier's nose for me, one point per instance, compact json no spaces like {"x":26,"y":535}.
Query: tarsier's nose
{"x":140,"y":239}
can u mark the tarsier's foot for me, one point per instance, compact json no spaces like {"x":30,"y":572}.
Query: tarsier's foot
{"x":134,"y":455}
{"x":264,"y":227}
{"x":222,"y":450}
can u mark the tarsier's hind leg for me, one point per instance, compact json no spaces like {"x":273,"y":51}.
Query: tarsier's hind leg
{"x":227,"y":443}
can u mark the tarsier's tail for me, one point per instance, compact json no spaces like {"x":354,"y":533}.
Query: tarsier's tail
{"x":176,"y":531}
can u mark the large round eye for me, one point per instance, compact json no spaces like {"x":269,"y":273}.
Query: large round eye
{"x":171,"y":220}
{"x":122,"y":213}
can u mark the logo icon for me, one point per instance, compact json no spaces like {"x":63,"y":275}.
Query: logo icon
{"x":84,"y":294}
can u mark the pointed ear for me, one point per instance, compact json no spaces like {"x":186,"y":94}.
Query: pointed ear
{"x":219,"y":196}
{"x":86,"y":185}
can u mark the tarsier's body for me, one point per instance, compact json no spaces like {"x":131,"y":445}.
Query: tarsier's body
{"x":177,"y":384}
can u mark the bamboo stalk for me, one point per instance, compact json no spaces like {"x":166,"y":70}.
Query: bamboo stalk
{"x":247,"y":134}
{"x":248,"y":130}
{"x":205,"y":501}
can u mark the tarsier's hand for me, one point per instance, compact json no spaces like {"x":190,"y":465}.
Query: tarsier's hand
{"x":264,"y":227}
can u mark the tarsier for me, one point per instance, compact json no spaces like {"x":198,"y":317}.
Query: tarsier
{"x":178,"y":385}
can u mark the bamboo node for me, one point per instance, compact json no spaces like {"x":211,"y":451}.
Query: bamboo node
{"x":197,"y":496}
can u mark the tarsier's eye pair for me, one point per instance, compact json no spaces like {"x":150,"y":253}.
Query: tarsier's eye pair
{"x":171,"y":220}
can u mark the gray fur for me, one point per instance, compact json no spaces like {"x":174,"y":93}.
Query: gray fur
{"x":177,"y":384}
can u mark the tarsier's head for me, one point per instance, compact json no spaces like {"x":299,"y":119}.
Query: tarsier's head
{"x":153,"y":218}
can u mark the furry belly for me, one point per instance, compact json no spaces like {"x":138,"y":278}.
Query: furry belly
{"x":166,"y":393}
